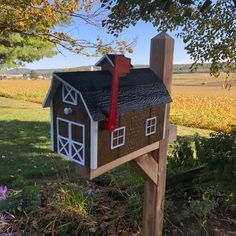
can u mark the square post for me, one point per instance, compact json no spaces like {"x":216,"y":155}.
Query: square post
{"x":161,"y":63}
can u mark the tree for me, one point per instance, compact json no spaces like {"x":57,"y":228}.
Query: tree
{"x":36,"y":21}
{"x":207,"y":27}
{"x":16,"y":49}
{"x":34,"y":74}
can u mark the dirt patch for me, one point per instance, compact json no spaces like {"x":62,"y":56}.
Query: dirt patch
{"x":112,"y":216}
{"x":221,"y":222}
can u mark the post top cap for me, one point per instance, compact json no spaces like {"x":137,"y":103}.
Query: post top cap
{"x":162,"y":35}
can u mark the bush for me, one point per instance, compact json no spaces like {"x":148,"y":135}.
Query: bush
{"x":218,"y":153}
{"x":182,"y":155}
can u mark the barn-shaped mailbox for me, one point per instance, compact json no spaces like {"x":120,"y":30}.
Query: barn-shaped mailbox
{"x":99,"y":117}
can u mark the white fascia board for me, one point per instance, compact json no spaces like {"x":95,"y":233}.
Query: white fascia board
{"x":165,"y":121}
{"x":93,"y":127}
{"x":54,"y":85}
{"x":104,"y":57}
{"x":48,"y":94}
{"x":77,"y":91}
{"x":94,"y":145}
{"x":52,"y":126}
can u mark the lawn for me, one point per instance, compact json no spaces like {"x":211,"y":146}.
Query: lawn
{"x":24,"y":142}
{"x":56,"y":200}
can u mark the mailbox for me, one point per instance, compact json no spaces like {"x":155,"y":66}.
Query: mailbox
{"x":102,"y":119}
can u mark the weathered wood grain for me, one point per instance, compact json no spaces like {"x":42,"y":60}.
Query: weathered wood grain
{"x":161,"y":63}
{"x":148,"y":166}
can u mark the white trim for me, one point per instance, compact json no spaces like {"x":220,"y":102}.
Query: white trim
{"x":151,"y":126}
{"x":85,"y":105}
{"x":119,"y":136}
{"x":94,"y":146}
{"x":165,"y":121}
{"x":48,"y":93}
{"x":70,"y":142}
{"x":69,"y":93}
{"x":105,"y":56}
{"x":51,"y":126}
{"x":77,"y":91}
{"x":51,"y":91}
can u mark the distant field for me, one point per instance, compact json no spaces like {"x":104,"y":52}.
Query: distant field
{"x":194,"y":106}
{"x":204,"y":91}
{"x":198,"y":79}
{"x":28,"y":90}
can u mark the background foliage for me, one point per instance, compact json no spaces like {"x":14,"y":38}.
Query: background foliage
{"x":207,"y":27}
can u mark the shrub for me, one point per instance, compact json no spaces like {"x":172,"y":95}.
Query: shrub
{"x":182,"y":155}
{"x":218,"y":153}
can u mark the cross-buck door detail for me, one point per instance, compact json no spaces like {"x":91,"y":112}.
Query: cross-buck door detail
{"x":69,"y":95}
{"x":71,"y":140}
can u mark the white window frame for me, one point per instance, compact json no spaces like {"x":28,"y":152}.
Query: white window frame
{"x":113,"y":137}
{"x":67,"y":92}
{"x":150,"y":126}
{"x":70,"y":142}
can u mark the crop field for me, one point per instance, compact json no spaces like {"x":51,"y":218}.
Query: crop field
{"x":199,"y":78}
{"x":208,"y":107}
{"x":27,"y":90}
{"x":204,"y":107}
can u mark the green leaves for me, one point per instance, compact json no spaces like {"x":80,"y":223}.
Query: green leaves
{"x":16,"y":49}
{"x":207,"y":27}
{"x":28,"y":29}
{"x":219,"y":152}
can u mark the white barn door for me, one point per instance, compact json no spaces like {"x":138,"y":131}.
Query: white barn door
{"x":71,"y":140}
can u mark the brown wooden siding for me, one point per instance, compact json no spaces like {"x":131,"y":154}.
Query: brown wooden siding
{"x":135,"y":131}
{"x":105,"y":153}
{"x":135,"y":123}
{"x":159,"y":112}
{"x":78,"y":115}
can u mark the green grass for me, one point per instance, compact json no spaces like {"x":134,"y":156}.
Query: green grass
{"x":25,"y":143}
{"x":25,"y":146}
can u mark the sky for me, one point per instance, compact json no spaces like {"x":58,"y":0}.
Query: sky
{"x":142,"y":32}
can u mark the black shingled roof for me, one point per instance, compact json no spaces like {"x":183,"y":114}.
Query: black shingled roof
{"x":140,"y":89}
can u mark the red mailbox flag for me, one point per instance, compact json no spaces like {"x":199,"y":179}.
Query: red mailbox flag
{"x":121,"y":68}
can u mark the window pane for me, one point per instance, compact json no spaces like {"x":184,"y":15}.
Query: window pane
{"x":121,"y":140}
{"x":114,"y":134}
{"x":121,"y":132}
{"x":152,"y":129}
{"x":151,"y":126}
{"x":118,"y":137}
{"x":115,"y":142}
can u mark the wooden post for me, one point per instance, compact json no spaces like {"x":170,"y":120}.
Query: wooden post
{"x":161,"y":62}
